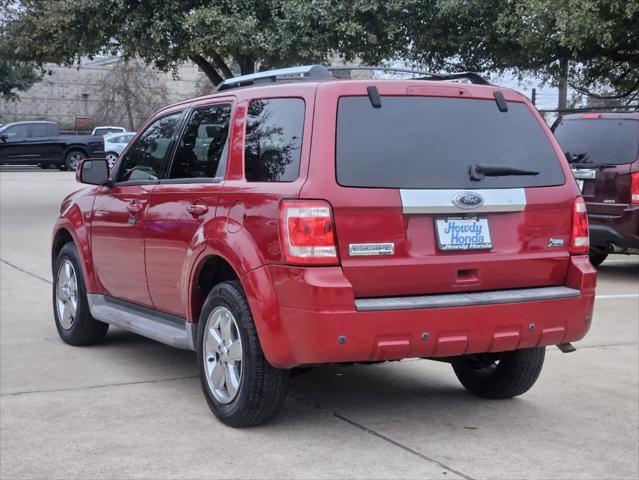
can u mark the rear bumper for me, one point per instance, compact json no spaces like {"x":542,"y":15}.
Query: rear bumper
{"x":619,"y":230}
{"x":312,"y":319}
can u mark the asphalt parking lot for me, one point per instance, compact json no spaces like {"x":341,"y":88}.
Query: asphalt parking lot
{"x":132,"y":408}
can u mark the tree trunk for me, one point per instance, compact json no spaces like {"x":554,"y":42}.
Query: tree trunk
{"x":563,"y":84}
{"x":208,"y":69}
{"x":247,"y":65}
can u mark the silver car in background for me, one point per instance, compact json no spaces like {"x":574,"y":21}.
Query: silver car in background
{"x":114,"y":144}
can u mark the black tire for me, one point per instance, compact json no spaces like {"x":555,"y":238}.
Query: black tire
{"x":597,"y":257}
{"x":262,"y":388}
{"x":514,"y":373}
{"x":84,"y":329}
{"x":71,"y":157}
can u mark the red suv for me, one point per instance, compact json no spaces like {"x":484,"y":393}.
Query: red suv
{"x":295,"y":219}
{"x":603,"y":149}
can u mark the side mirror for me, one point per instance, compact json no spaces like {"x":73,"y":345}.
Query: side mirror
{"x":93,"y":171}
{"x":4,"y":137}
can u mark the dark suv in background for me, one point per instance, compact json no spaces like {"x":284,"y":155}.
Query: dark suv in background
{"x":603,"y":150}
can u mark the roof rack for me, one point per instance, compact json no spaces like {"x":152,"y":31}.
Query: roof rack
{"x":320,"y":72}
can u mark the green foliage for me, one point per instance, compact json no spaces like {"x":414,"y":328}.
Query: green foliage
{"x":16,"y":77}
{"x":599,"y":38}
{"x":215,"y":34}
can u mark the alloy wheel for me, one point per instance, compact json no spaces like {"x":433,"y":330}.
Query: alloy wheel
{"x":66,"y":294}
{"x":111,"y":159}
{"x":74,"y":160}
{"x":223,"y":354}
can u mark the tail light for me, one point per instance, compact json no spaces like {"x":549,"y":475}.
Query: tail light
{"x":579,"y":240}
{"x":306,"y":232}
{"x":634,"y":188}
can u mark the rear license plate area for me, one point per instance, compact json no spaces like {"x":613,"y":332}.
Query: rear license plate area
{"x":463,"y":233}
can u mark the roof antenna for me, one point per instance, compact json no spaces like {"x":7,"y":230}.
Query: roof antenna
{"x":373,"y":96}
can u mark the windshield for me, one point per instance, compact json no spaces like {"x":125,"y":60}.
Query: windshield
{"x":432,"y":142}
{"x":599,"y":141}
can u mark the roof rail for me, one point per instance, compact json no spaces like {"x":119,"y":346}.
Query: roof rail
{"x":309,"y":72}
{"x":320,"y":72}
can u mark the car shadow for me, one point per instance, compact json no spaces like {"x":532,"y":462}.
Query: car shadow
{"x":413,"y":390}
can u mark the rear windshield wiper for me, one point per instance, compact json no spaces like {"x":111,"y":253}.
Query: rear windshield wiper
{"x":479,"y":171}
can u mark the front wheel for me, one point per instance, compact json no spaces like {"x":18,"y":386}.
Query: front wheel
{"x":500,"y":375}
{"x":73,"y":319}
{"x":241,"y":388}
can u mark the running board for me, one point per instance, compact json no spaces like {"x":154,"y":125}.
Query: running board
{"x":162,"y":327}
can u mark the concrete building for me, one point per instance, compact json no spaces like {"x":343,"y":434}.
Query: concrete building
{"x":74,"y":96}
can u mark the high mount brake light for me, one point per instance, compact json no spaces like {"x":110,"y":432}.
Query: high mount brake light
{"x":634,"y":188}
{"x":591,"y":115}
{"x":306,"y":232}
{"x":579,"y":239}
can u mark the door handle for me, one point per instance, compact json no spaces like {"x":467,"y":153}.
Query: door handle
{"x":197,"y":209}
{"x":135,"y":207}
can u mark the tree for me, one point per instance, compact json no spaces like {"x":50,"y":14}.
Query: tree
{"x":130,"y":93}
{"x":16,"y":77}
{"x":593,"y":44}
{"x":215,"y":34}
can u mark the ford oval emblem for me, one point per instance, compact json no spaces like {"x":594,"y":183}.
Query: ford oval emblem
{"x":467,"y":200}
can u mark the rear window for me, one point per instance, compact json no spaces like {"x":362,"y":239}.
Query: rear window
{"x":430,"y":142}
{"x":599,"y":141}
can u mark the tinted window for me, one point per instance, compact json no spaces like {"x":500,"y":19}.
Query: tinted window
{"x":16,"y":132}
{"x":428,"y":142}
{"x":274,"y":140}
{"x":42,"y":130}
{"x":599,"y":141}
{"x":145,"y":159}
{"x":202,"y":151}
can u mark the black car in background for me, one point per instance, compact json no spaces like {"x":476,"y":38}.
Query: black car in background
{"x":40,"y":143}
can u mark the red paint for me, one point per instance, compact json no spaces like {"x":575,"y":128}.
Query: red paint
{"x":147,"y":244}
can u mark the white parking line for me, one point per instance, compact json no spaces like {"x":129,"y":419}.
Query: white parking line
{"x":617,"y":295}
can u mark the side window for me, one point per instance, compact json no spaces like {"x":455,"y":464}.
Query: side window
{"x":39,"y":130}
{"x":145,"y":159}
{"x":202,"y":152}
{"x":17,"y":132}
{"x":274,"y":139}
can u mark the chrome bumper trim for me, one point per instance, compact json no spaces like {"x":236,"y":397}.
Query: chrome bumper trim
{"x":464,"y":299}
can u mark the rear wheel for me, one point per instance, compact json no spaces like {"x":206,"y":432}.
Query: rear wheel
{"x":73,"y":319}
{"x":111,"y":158}
{"x":73,"y":159}
{"x":241,"y":388}
{"x":500,"y":375}
{"x":597,"y":257}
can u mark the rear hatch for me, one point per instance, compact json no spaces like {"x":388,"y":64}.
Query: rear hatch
{"x":601,"y":150}
{"x":409,"y":218}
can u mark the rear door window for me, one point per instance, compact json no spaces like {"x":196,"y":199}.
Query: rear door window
{"x":39,"y":130}
{"x":599,"y":141}
{"x":431,"y":142}
{"x":202,"y":150}
{"x":274,"y":139}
